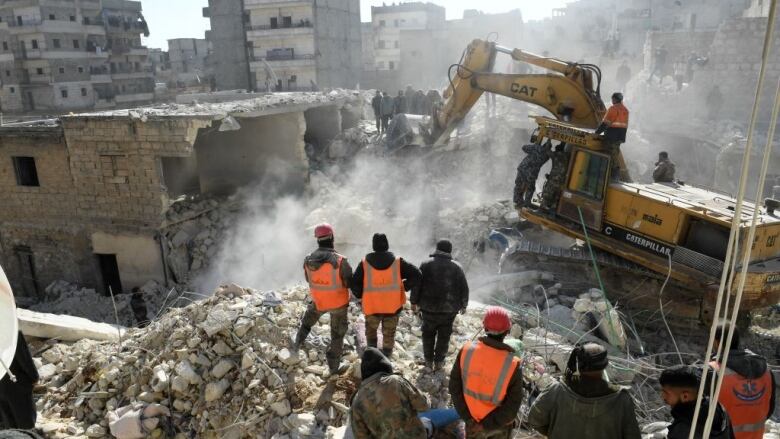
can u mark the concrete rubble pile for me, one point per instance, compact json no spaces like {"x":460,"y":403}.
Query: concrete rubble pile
{"x":65,"y":298}
{"x":222,"y":368}
{"x":193,"y":230}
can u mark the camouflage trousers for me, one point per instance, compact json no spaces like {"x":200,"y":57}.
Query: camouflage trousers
{"x":552,"y":191}
{"x":525,"y":185}
{"x":389,"y":324}
{"x":339,"y":322}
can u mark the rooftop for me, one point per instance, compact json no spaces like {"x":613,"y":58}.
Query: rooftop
{"x":407,"y":7}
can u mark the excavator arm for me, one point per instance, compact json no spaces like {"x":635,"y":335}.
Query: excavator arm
{"x":570,"y":93}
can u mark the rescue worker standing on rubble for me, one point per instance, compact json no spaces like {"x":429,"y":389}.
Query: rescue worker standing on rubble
{"x":556,"y":178}
{"x":664,"y":169}
{"x":329,"y":275}
{"x":614,"y":128}
{"x":679,"y":389}
{"x":17,"y":408}
{"x":528,"y":171}
{"x":386,"y":405}
{"x":486,"y":383}
{"x":376,"y":104}
{"x":381,"y":281}
{"x":386,"y":108}
{"x":585,"y":405}
{"x":442,"y":293}
{"x":748,"y":390}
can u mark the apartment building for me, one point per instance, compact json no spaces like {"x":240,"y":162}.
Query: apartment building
{"x":388,"y":22}
{"x":187,"y":58}
{"x":272,"y":45}
{"x":61,"y":56}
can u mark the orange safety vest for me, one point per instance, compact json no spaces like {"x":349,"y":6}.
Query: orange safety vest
{"x":746,"y":401}
{"x":326,"y":287}
{"x":617,"y":116}
{"x":383,"y":290}
{"x":486,"y":374}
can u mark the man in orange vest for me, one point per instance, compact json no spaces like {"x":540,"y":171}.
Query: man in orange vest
{"x":381,"y":281}
{"x":486,"y":383}
{"x":614,"y":128}
{"x":748,"y":390}
{"x":328,"y":274}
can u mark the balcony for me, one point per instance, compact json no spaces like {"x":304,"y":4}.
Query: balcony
{"x":258,"y":62}
{"x":136,"y":97}
{"x":302,"y":27}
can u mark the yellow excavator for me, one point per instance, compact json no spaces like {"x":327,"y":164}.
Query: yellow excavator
{"x":642,"y":234}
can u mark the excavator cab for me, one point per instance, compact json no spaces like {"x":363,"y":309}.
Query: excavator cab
{"x":586,"y":187}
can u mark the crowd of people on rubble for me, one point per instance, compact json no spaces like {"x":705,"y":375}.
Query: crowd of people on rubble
{"x":486,"y":384}
{"x":406,"y":101}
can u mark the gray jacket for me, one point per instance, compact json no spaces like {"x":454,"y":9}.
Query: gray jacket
{"x":560,"y":413}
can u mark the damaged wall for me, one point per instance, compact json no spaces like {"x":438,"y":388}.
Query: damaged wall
{"x":268,"y":148}
{"x":139,"y":256}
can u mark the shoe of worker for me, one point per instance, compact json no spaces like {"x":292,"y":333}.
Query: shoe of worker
{"x":439,"y":365}
{"x":429,"y":365}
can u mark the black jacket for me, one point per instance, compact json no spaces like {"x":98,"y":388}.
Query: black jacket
{"x":751,"y":366}
{"x":443,"y":288}
{"x":503,"y":416}
{"x":376,"y":103}
{"x":382,"y":261}
{"x":23,"y":367}
{"x":682,"y":420}
{"x":328,"y":255}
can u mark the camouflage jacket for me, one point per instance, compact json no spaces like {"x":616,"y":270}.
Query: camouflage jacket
{"x":386,"y":407}
{"x":560,"y":164}
{"x":536,"y":157}
{"x":664,"y":172}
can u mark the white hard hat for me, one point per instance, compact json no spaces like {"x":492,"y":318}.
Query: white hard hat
{"x":9,"y":326}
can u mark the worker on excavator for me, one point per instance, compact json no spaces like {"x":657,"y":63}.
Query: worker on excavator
{"x":748,"y":390}
{"x":381,"y":281}
{"x":328,"y":274}
{"x":486,"y":384}
{"x":528,"y":171}
{"x":556,"y":178}
{"x":614,"y":128}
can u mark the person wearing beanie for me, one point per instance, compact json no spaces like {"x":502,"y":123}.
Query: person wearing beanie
{"x":386,"y":405}
{"x":680,"y":389}
{"x":486,"y":383}
{"x":585,"y":405}
{"x":381,"y":281}
{"x":328,"y":275}
{"x":442,"y":293}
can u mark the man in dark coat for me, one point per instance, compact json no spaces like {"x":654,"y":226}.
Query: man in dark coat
{"x":138,"y":305}
{"x":443,"y":292}
{"x":17,"y":408}
{"x":382,"y":259}
{"x":528,"y":171}
{"x":679,"y":389}
{"x":376,"y":104}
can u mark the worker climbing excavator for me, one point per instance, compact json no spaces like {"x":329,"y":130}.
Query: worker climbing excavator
{"x":642,"y":235}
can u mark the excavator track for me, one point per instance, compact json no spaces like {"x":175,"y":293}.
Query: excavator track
{"x":632,"y":288}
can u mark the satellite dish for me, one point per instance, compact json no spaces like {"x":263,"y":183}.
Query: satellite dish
{"x":9,"y":325}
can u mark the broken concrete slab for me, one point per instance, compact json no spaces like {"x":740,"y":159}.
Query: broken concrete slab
{"x":65,"y":328}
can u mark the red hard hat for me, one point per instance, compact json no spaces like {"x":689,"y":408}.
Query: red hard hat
{"x":496,"y":320}
{"x":323,"y":231}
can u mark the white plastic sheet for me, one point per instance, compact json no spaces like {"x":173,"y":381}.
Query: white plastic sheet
{"x":9,"y":326}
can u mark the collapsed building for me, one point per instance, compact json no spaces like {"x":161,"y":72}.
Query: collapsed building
{"x":84,"y":195}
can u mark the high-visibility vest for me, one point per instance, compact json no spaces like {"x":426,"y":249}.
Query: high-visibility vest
{"x":327,"y":289}
{"x":383,"y":290}
{"x":617,"y":116}
{"x":746,"y":401}
{"x":486,"y":373}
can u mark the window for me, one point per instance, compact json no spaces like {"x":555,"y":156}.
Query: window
{"x":26,"y":174}
{"x":62,"y":70}
{"x":83,"y":92}
{"x":81,"y":69}
{"x":39,"y":70}
{"x":274,"y":23}
{"x":86,"y":20}
{"x":382,"y":23}
{"x":397,"y":44}
{"x":64,"y":93}
{"x":286,"y":21}
{"x":19,"y":20}
{"x":381,"y":44}
{"x":13,"y":90}
{"x":34,"y":44}
{"x":76,"y":44}
{"x":52,"y":17}
{"x":57,"y":44}
{"x":589,"y":174}
{"x":7,"y":73}
{"x":5,"y":45}
{"x":72,"y":18}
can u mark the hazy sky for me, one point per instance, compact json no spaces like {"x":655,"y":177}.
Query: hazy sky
{"x":170,"y":19}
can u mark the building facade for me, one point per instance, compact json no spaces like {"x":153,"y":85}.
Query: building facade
{"x":187,"y":58}
{"x":271,"y":45}
{"x":60,"y":56}
{"x":388,"y":22}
